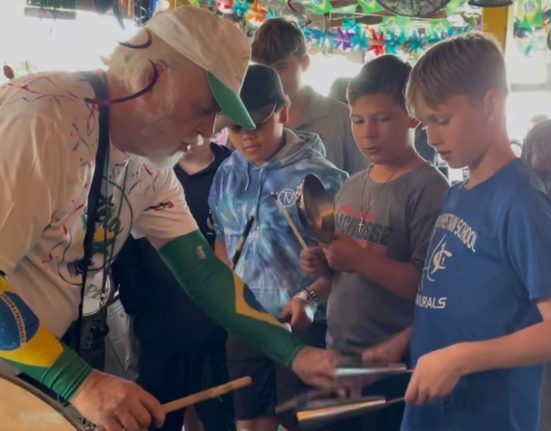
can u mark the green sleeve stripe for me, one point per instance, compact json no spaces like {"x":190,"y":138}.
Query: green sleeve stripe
{"x":64,"y":376}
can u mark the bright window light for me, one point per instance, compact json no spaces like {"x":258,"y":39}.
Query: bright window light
{"x":57,"y":44}
{"x":324,"y":69}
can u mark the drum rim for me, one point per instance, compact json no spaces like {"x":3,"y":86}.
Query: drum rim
{"x":58,"y":407}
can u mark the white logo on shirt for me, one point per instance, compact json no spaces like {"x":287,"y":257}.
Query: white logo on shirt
{"x":437,"y":260}
{"x":459,"y":227}
{"x":435,"y":263}
{"x":287,"y":197}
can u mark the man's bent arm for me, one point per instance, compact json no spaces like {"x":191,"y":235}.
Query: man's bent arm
{"x":225,"y":297}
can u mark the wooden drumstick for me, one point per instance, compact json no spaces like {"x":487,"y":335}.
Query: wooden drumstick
{"x":207,"y":394}
{"x":241,"y":242}
{"x":290,"y":222}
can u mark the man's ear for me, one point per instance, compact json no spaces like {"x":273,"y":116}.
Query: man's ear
{"x":155,"y":97}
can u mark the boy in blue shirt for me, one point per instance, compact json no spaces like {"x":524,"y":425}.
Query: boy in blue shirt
{"x":483,"y":309}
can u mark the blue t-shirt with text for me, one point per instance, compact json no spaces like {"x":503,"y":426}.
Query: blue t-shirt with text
{"x":486,"y":266}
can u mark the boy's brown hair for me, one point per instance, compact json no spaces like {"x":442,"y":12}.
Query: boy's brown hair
{"x":470,"y":65}
{"x":385,"y":74}
{"x":277,"y":39}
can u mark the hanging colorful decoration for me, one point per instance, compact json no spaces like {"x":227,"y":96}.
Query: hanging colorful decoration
{"x":224,"y":6}
{"x":257,"y":13}
{"x":343,"y":39}
{"x":532,"y":23}
{"x":415,"y":43}
{"x":370,"y":6}
{"x":531,"y":41}
{"x":395,"y":35}
{"x":321,"y":6}
{"x":455,"y":7}
{"x":377,"y":41}
{"x":240,"y":8}
{"x":529,"y":13}
{"x":381,"y":39}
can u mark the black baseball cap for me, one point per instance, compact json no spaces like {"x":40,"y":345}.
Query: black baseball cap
{"x":261,"y":93}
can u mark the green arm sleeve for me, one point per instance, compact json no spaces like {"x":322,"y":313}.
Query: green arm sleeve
{"x":225,"y":297}
{"x":28,"y":345}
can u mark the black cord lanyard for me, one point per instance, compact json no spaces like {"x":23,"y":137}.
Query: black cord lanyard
{"x":102,"y":101}
{"x":100,"y":90}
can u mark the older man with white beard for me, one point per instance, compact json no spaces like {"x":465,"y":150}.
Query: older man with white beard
{"x":79,"y":168}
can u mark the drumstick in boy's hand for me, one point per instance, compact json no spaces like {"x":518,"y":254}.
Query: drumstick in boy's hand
{"x":290,"y":221}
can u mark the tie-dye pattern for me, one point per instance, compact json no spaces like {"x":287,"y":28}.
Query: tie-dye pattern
{"x":269,"y":263}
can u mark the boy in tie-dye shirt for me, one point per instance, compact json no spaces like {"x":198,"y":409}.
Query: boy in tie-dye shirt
{"x":269,"y":161}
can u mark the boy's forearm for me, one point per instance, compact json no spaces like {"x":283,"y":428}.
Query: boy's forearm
{"x":526,"y":347}
{"x":401,"y":278}
{"x":394,"y":349}
{"x":402,"y":340}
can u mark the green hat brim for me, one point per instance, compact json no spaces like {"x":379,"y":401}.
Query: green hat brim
{"x":230,"y":103}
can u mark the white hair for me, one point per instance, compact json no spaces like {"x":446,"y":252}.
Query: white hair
{"x":131,"y":65}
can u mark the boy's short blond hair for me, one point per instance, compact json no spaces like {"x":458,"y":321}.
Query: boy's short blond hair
{"x":470,"y":65}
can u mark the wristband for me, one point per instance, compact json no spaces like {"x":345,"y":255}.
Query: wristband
{"x":308,"y":295}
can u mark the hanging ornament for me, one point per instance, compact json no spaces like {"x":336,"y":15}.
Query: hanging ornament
{"x":454,"y":7}
{"x":224,"y":6}
{"x":272,"y":13}
{"x":370,"y":6}
{"x":397,"y":35}
{"x":438,"y":26}
{"x":240,"y":8}
{"x":376,"y":42}
{"x":359,"y":40}
{"x":529,"y":13}
{"x":315,"y":36}
{"x":415,"y":43}
{"x":343,"y":39}
{"x":257,"y":14}
{"x":348,"y":23}
{"x":321,"y":6}
{"x":393,"y":42}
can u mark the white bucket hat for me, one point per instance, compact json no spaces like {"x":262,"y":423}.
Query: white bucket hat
{"x":214,"y":44}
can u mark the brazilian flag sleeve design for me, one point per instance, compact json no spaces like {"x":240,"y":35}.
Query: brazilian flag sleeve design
{"x":225,"y":298}
{"x":31,"y":347}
